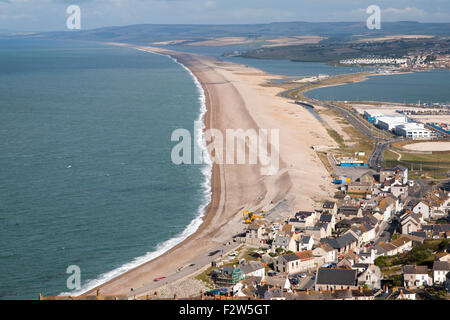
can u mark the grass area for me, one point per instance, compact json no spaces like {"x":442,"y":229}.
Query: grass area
{"x":247,"y":255}
{"x":361,"y":143}
{"x":390,"y":271}
{"x":422,"y":254}
{"x":332,"y":51}
{"x":336,"y":137}
{"x":432,"y":166}
{"x":323,"y":157}
{"x":204,"y":276}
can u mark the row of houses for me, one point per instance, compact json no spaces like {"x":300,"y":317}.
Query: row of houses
{"x":340,"y":242}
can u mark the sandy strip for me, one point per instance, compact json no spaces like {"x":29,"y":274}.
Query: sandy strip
{"x":238,"y":98}
{"x":428,"y":146}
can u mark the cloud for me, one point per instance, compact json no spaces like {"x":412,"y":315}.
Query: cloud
{"x":410,"y":11}
{"x":45,"y":15}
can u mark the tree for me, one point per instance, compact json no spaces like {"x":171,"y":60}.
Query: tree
{"x":443,"y":245}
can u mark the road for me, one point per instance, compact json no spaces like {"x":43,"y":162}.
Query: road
{"x":387,"y":230}
{"x":370,"y":131}
{"x":184,"y":271}
{"x":307,"y":282}
{"x":375,"y":159}
{"x":382,"y":143}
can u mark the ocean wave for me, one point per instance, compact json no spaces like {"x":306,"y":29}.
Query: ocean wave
{"x":165,"y":246}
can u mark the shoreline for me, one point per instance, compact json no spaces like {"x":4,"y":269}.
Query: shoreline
{"x":203,"y":207}
{"x":214,"y":174}
{"x":362,"y":77}
{"x":234,"y":100}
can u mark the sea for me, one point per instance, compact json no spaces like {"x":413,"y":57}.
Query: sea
{"x":86,"y":177}
{"x":419,"y":87}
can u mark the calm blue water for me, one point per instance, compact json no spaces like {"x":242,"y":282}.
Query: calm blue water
{"x":430,"y":87}
{"x":85,"y":171}
{"x":281,"y":67}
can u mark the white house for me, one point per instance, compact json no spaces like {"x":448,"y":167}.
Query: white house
{"x":423,"y":209}
{"x":305,"y":243}
{"x":386,"y":207}
{"x":371,"y":277}
{"x":415,"y":276}
{"x":303,"y":219}
{"x":365,"y":231}
{"x":254,"y":269}
{"x":295,"y":263}
{"x":440,"y":270}
{"x":286,"y":243}
{"x":367,"y":257}
{"x":326,"y":252}
{"x":254,"y":234}
{"x":410,"y":223}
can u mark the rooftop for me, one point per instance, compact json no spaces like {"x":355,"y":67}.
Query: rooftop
{"x":345,"y":277}
{"x":413,"y":269}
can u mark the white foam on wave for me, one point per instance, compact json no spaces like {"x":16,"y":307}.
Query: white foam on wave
{"x":193,"y":225}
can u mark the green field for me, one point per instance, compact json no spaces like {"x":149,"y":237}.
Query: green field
{"x":428,"y":166}
{"x":333,"y":52}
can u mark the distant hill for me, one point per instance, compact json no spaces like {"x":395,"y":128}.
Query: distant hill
{"x":334,"y":31}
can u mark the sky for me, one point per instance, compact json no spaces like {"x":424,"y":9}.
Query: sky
{"x":50,"y":15}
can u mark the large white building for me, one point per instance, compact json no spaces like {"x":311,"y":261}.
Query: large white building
{"x":390,"y":122}
{"x":413,"y":130}
{"x":372,"y":114}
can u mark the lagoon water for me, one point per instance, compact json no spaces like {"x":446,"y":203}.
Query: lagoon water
{"x":428,"y":87}
{"x":86,"y":176}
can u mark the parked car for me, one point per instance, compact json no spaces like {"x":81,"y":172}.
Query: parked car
{"x":213,"y":253}
{"x":160,"y":278}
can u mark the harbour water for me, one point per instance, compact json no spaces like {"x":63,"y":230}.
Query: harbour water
{"x":426,"y":87}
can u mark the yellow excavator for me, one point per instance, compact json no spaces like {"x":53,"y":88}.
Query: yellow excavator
{"x":250,"y":216}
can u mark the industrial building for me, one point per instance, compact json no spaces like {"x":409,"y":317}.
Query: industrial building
{"x":372,"y":115}
{"x":413,"y":130}
{"x":390,"y":122}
